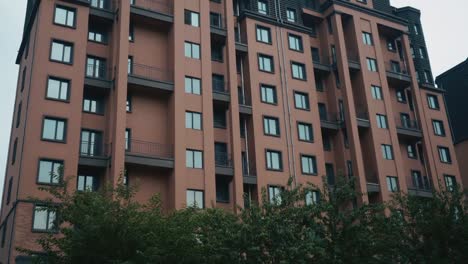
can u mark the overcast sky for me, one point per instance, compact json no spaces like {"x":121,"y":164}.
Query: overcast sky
{"x":445,"y":45}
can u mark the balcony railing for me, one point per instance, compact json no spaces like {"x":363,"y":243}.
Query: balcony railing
{"x":160,"y":6}
{"x":223,"y":159}
{"x":150,"y":72}
{"x":93,"y":149}
{"x":362,"y":114}
{"x":244,"y":99}
{"x":217,"y":22}
{"x":220,"y":86}
{"x":312,"y":4}
{"x":98,"y":72}
{"x":407,"y":124}
{"x":395,"y":68}
{"x":322,"y":60}
{"x":419,"y":183}
{"x":249,"y":169}
{"x":150,"y":149}
{"x":108,"y":5}
{"x":330,"y":117}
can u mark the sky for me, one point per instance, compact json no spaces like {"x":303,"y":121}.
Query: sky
{"x":446,"y":48}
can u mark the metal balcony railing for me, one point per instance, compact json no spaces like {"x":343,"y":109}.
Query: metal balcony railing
{"x":249,"y":169}
{"x":217,"y":21}
{"x":93,"y":149}
{"x":150,"y":72}
{"x":407,"y":124}
{"x":108,"y":5}
{"x":150,"y":149}
{"x":419,"y":183}
{"x":330,"y":117}
{"x":98,"y":71}
{"x":323,"y":60}
{"x":160,"y":6}
{"x":396,"y":68}
{"x":244,"y":99}
{"x":223,"y":159}
{"x":362,"y":114}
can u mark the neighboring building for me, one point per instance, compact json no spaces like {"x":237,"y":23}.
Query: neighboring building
{"x":455,"y":84}
{"x":209,"y":102}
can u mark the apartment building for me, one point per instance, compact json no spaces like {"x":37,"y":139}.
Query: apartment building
{"x":454,"y":82}
{"x":207,"y":103}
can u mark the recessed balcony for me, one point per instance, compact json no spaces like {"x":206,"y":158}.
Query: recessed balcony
{"x":223,"y":164}
{"x":103,"y":9}
{"x":218,"y":26}
{"x":151,"y":154}
{"x":331,"y":121}
{"x":373,"y":187}
{"x":245,"y":104}
{"x":363,"y":118}
{"x":249,"y":173}
{"x":408,"y":128}
{"x":221,"y":91}
{"x":146,"y":76}
{"x":397,"y":74}
{"x":322,"y":65}
{"x":94,"y":154}
{"x":420,"y":186}
{"x":98,"y":76}
{"x":159,"y":10}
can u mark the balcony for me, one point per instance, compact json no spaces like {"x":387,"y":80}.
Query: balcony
{"x":245,"y":104}
{"x":94,"y":154}
{"x":102,"y":8}
{"x":250,"y":173}
{"x":98,"y":76}
{"x":353,"y":63}
{"x":223,"y":164}
{"x":321,"y":65}
{"x":362,"y":118}
{"x":373,"y":187}
{"x":218,"y":26}
{"x":397,"y":74}
{"x":149,"y":154}
{"x":159,"y":10}
{"x":408,"y":128}
{"x":151,"y":77}
{"x":241,"y":45}
{"x":221,"y":91}
{"x":420,"y":186}
{"x":331,"y":121}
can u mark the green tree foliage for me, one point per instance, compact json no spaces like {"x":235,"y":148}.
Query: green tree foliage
{"x":109,"y":226}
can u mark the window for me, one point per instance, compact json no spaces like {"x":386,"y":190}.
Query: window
{"x":93,"y":105}
{"x":274,"y":194}
{"x":192,"y":85}
{"x":301,"y":101}
{"x":23,"y":79}
{"x":382,"y":121}
{"x":305,"y":132}
{"x":91,"y":143}
{"x":312,"y":197}
{"x":291,"y":15}
{"x":391,"y":46}
{"x":13,"y":154}
{"x":411,"y":151}
{"x":192,"y":18}
{"x":131,"y":32}
{"x":392,"y":184}
{"x":444,"y":155}
{"x":262,"y":7}
{"x":422,"y":53}
{"x":268,"y":94}
{"x":372,"y":64}
{"x":99,"y":3}
{"x":412,"y":51}
{"x":87,"y":183}
{"x":219,"y":118}
{"x":54,"y":129}
{"x":401,"y":96}
{"x":10,"y":186}
{"x":376,"y":92}
{"x":315,"y":54}
{"x":215,"y":20}
{"x":263,"y":34}
{"x":416,"y":29}
{"x":295,"y":42}
{"x":265,"y":63}
{"x":427,"y":77}
{"x":367,"y":38}
{"x":217,"y":82}
{"x":327,"y":145}
{"x":50,"y":171}
{"x":195,"y":199}
{"x":18,"y":114}
{"x":298,"y":71}
{"x":450,"y":182}
{"x":216,"y":52}
{"x":222,"y":190}
{"x":95,"y":67}
{"x":192,"y":50}
{"x":57,"y":89}
{"x":130,"y":65}
{"x":308,"y":165}
{"x":439,"y":129}
{"x":420,"y":182}
{"x":97,"y":36}
{"x":433,"y":102}
{"x":395,"y":66}
{"x":271,"y":126}
{"x":128,"y":139}
{"x":64,"y":16}
{"x":61,"y":51}
{"x":44,"y":219}
{"x":274,"y":160}
{"x":193,"y":120}
{"x":194,"y":159}
{"x":129,"y":104}
{"x":387,"y":152}
{"x":362,"y":1}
